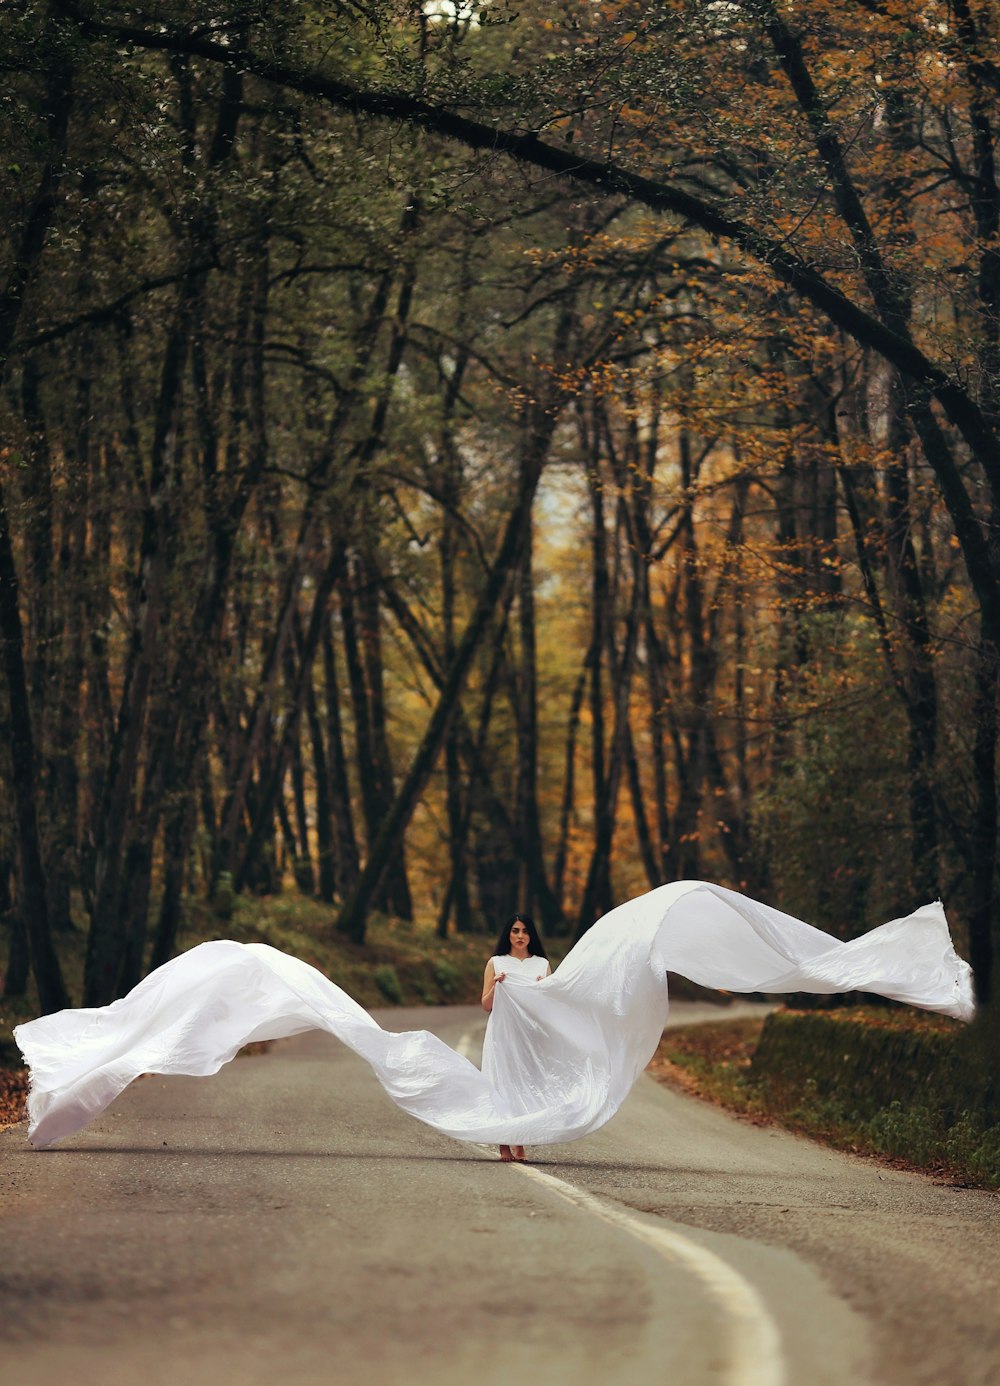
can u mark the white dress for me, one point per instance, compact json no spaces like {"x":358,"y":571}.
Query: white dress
{"x":517,"y":970}
{"x":501,"y":1032}
{"x":562,"y":1052}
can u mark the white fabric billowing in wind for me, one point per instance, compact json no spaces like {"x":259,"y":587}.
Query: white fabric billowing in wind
{"x":561,"y":1053}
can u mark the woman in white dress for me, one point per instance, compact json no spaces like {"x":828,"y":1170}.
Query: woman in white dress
{"x":519,"y":957}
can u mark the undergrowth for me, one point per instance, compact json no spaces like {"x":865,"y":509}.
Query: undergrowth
{"x":716,"y":1061}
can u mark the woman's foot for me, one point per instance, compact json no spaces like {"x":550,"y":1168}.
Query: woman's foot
{"x":519,"y":1152}
{"x":506,"y":1154}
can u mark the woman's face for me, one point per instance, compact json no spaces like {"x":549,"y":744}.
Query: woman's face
{"x":518,"y":937}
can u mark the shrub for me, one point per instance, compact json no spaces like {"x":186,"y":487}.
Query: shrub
{"x":387,"y":981}
{"x":448,"y":978}
{"x":223,"y":896}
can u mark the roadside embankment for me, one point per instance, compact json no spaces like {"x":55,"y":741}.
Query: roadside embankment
{"x":895,"y":1083}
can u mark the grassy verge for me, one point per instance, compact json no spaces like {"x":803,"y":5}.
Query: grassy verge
{"x":876,"y":1082}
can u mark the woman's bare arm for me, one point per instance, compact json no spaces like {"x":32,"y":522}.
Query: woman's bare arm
{"x":490,"y":980}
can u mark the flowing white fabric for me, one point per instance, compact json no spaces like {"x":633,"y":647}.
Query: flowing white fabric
{"x":564,"y":1051}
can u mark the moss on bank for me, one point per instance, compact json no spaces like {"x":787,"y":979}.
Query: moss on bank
{"x":897,"y":1083}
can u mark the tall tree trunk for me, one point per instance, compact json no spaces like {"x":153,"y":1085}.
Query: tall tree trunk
{"x":396,"y":881}
{"x":364,"y":750}
{"x":921,"y":683}
{"x":641,"y":498}
{"x":457,"y":894}
{"x":15,"y":978}
{"x":533,"y":886}
{"x":302,"y":867}
{"x":115,"y":817}
{"x":597,"y":897}
{"x":137,"y":883}
{"x":52,"y":994}
{"x":644,"y":837}
{"x":984,"y":946}
{"x":326,"y":848}
{"x":39,"y":546}
{"x":985,"y":202}
{"x":347,"y":856}
{"x":687,"y":820}
{"x":55,"y":626}
{"x":76,"y":577}
{"x":569,"y":773}
{"x":177,"y":838}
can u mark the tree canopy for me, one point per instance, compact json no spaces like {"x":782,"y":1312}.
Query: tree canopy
{"x":460,"y":457}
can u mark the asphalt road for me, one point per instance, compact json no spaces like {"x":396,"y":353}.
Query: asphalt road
{"x":283,"y":1222}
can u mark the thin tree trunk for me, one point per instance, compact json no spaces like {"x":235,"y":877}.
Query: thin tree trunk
{"x":115,"y":815}
{"x":39,"y":545}
{"x":642,"y":493}
{"x":52,"y":994}
{"x":533,"y":885}
{"x":347,"y":856}
{"x":15,"y":979}
{"x":644,"y":837}
{"x":396,"y":881}
{"x":326,"y":853}
{"x":569,"y":774}
{"x":687,"y":820}
{"x":303,"y":867}
{"x":76,"y":575}
{"x":597,"y":897}
{"x":364,"y":751}
{"x":177,"y":840}
{"x":921,"y":700}
{"x":983,"y":944}
{"x":457,"y":894}
{"x":137,"y":882}
{"x":600,"y":619}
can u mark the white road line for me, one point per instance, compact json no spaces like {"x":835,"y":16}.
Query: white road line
{"x":753,"y":1356}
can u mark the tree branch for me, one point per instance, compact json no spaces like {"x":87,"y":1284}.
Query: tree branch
{"x":608,"y":179}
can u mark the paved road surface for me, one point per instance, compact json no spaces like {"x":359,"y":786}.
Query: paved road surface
{"x":284,"y":1223}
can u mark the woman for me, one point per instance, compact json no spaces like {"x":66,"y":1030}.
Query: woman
{"x":519,"y":956}
{"x":560,"y":1056}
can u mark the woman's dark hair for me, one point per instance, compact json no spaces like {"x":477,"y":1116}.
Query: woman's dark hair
{"x":535,"y":945}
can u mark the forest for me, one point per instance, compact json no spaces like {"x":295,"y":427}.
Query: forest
{"x":460,"y":456}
